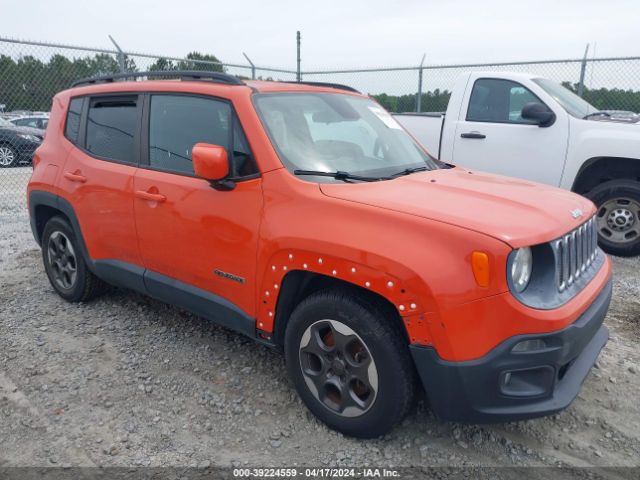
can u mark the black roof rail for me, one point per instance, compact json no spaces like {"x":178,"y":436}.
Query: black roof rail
{"x":339,"y":86}
{"x":191,"y":75}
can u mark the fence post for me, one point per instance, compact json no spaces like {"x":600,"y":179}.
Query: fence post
{"x":419,"y":99}
{"x":120,"y":55}
{"x":298,"y":72}
{"x":253,"y":67}
{"x":583,"y":68}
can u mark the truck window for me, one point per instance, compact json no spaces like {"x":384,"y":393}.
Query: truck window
{"x":498,"y":101}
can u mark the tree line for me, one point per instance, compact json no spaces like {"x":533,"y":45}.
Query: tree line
{"x":437,"y":100}
{"x":29,"y":83}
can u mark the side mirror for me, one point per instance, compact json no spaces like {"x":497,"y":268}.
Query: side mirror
{"x":538,"y":113}
{"x":210,"y":161}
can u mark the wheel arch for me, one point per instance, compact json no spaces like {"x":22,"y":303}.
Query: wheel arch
{"x":298,"y":285}
{"x":597,"y":170}
{"x":291,"y":276}
{"x":45,"y":205}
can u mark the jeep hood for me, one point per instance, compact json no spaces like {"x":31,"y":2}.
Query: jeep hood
{"x":517,"y":212}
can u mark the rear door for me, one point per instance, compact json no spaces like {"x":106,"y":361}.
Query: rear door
{"x":491,"y":135}
{"x":98,"y":174}
{"x":189,"y":231}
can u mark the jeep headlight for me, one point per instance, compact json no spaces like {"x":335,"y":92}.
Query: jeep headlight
{"x":521,"y":269}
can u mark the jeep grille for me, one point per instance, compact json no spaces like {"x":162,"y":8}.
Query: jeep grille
{"x":575,"y":252}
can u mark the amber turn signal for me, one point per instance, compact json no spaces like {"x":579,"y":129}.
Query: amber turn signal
{"x":480,"y":265}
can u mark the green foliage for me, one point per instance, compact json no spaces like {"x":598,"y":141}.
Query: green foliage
{"x":609,"y":99}
{"x":28,"y":83}
{"x":437,"y":100}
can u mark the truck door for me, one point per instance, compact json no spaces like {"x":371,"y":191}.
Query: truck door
{"x":492,"y":136}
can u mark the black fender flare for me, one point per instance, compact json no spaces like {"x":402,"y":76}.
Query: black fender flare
{"x":39,"y":198}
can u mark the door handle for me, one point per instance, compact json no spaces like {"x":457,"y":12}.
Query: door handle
{"x":75,"y":176}
{"x":150,"y":197}
{"x":476,"y":135}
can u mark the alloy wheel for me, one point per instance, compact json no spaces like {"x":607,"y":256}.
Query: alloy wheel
{"x":62,"y":260}
{"x":338,"y":368}
{"x":7,"y":157}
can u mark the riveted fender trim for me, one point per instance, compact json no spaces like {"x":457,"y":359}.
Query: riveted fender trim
{"x":406,"y":302}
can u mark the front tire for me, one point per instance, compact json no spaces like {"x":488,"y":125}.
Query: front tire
{"x":350,"y":363}
{"x":618,"y":216}
{"x":65,"y":266}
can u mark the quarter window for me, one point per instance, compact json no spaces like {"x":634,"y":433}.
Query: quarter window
{"x":72,"y":127}
{"x":499,"y":101}
{"x":111,"y":127}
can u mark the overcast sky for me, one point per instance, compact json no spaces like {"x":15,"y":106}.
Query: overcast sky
{"x":342,"y":33}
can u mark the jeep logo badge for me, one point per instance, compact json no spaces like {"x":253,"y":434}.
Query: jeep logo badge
{"x":577,"y":213}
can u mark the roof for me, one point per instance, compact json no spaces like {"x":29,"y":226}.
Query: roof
{"x":208,"y":81}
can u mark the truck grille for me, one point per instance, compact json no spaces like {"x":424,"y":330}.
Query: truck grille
{"x":575,"y":252}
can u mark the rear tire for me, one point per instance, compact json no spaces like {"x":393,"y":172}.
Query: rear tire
{"x":350,"y":363}
{"x":64,"y":263}
{"x":618,"y":216}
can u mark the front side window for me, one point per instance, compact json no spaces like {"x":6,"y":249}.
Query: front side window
{"x":111,"y":126}
{"x":499,"y":101}
{"x":331,"y":132}
{"x":178,"y":122}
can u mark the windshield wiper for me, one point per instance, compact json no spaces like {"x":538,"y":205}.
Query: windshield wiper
{"x":409,"y":171}
{"x":596,"y":114}
{"x":344,"y":176}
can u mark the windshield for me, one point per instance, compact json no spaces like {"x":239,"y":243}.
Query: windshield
{"x":572,"y":103}
{"x":330,"y":132}
{"x":5,"y":123}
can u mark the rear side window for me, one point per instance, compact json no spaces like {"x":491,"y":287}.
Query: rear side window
{"x":111,"y":128}
{"x":178,"y":122}
{"x":72,"y":127}
{"x":499,"y":101}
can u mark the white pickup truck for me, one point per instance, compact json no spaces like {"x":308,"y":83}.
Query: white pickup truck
{"x":533,"y":128}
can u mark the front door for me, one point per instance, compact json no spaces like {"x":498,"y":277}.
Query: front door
{"x":188,"y":230}
{"x":493,"y":137}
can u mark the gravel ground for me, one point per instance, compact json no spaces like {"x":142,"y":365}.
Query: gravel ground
{"x":128,"y":381}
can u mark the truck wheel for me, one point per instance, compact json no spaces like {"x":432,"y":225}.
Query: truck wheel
{"x":64,"y":264}
{"x":618,"y":216}
{"x":349,"y":363}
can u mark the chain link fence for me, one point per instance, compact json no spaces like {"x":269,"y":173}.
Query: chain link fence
{"x":32,"y":72}
{"x":607,"y":83}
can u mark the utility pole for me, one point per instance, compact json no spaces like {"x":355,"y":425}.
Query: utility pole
{"x":298,"y":72}
{"x":583,"y":69}
{"x":419,"y":99}
{"x":120,"y":55}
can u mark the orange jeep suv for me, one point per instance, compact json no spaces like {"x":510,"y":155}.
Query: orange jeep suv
{"x":303,"y":216}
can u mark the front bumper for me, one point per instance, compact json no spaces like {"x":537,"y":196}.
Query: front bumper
{"x":504,"y":385}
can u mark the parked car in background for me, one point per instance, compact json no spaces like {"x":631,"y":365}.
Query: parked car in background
{"x":35,"y":121}
{"x":530,"y":127}
{"x":305,"y":217}
{"x":17,"y":144}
